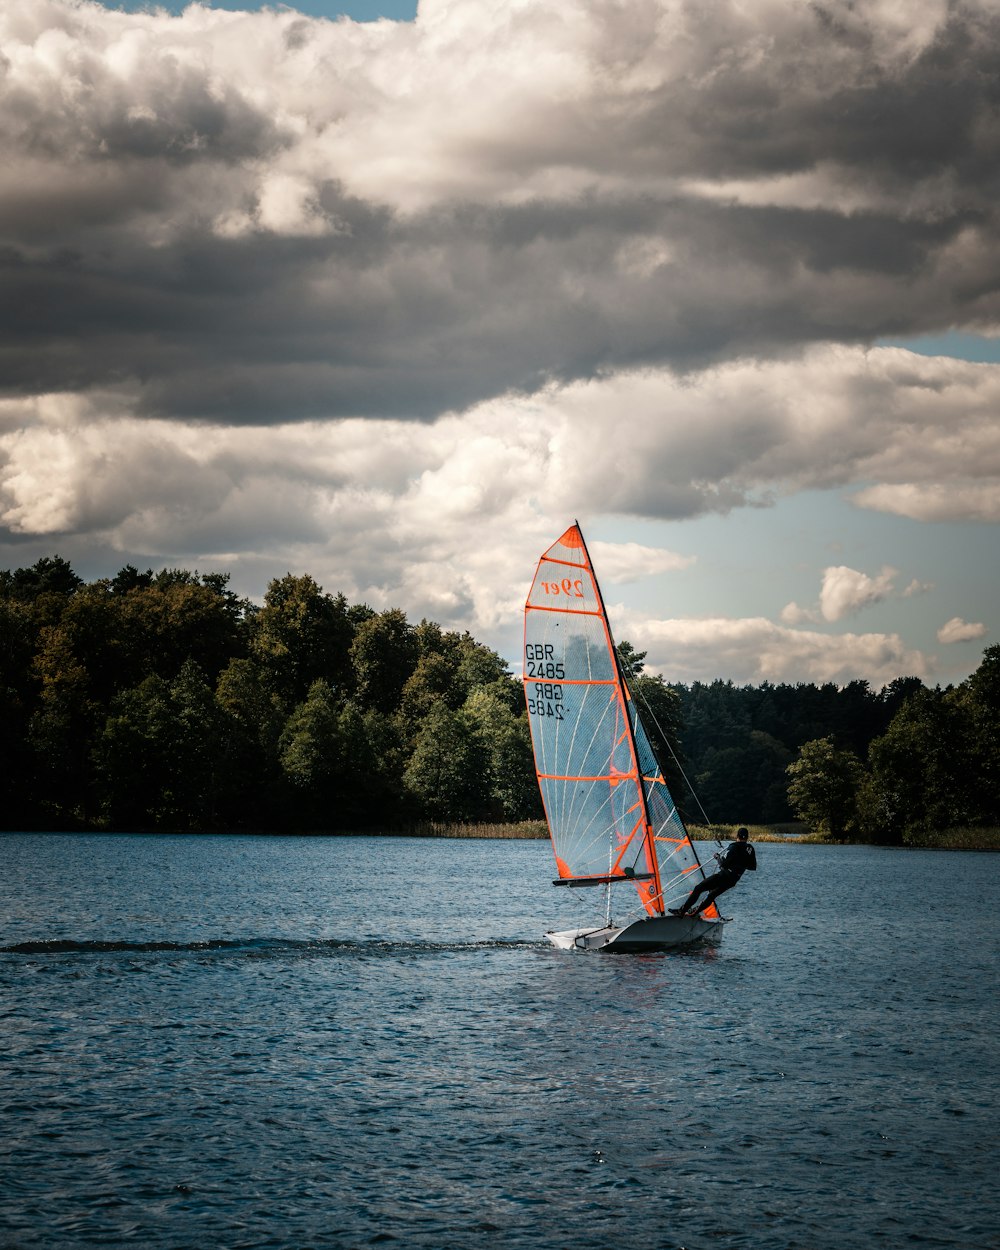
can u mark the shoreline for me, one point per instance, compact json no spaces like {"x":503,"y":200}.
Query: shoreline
{"x":963,"y":839}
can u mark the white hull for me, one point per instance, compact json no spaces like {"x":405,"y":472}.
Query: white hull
{"x":653,"y":933}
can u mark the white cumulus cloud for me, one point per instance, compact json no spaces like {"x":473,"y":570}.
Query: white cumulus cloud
{"x":628,"y":562}
{"x":754,"y":650}
{"x":793,"y":614}
{"x":846,"y":591}
{"x":957,"y":630}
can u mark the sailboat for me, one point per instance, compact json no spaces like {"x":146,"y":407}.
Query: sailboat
{"x":611,"y":817}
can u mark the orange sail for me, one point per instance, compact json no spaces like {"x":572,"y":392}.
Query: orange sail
{"x":610,"y":814}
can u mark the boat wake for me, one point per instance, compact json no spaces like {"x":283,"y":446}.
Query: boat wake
{"x":266,"y":947}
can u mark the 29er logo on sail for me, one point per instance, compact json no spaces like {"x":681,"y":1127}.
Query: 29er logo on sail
{"x":568,"y":586}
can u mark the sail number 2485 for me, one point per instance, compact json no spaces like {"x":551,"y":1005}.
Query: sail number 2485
{"x":547,"y":700}
{"x":539,"y":662}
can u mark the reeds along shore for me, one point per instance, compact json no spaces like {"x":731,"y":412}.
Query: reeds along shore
{"x":536,"y":829}
{"x":524,"y":830}
{"x":965,"y":839}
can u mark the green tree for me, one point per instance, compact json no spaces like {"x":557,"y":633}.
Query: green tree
{"x":178,"y":618}
{"x":746,"y":783}
{"x":448,"y":773}
{"x":198,"y":754}
{"x":60,"y":731}
{"x":384,"y":653}
{"x":632,"y":662}
{"x":120,"y":637}
{"x":478,"y":665}
{"x":19,"y":690}
{"x":921,"y":772}
{"x":129,"y":578}
{"x":506,"y":739}
{"x":309,"y":750}
{"x":158,"y":756}
{"x":981,"y":696}
{"x":244,"y":692}
{"x":434,"y":680}
{"x":250,"y":789}
{"x":18,"y":643}
{"x":49,"y":575}
{"x":371,"y":766}
{"x":302,"y":635}
{"x":824,"y":786}
{"x":449,"y":667}
{"x":341,"y":762}
{"x":131,"y":755}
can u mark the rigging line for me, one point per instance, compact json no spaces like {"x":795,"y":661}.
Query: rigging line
{"x":637,"y":689}
{"x":668,"y":891}
{"x":678,"y":877}
{"x":663,"y":895}
{"x":581,"y":904}
{"x":681,"y":874}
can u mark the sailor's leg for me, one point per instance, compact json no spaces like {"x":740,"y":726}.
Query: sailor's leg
{"x":707,"y":883}
{"x":719,"y":887}
{"x":700,"y":888}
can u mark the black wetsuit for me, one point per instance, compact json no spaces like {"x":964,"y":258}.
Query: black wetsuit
{"x":740,"y":858}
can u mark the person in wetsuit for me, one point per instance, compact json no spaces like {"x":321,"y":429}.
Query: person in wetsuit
{"x":740,"y":858}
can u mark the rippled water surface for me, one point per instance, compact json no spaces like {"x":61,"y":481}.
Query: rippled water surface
{"x":285,"y":1042}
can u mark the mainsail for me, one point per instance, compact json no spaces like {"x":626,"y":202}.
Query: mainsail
{"x":610,"y":814}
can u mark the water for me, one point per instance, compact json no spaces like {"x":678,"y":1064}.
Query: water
{"x":343,"y":1043}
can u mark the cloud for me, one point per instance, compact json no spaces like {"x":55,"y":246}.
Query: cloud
{"x":754,"y":650}
{"x":628,"y":562}
{"x":398,"y":510}
{"x":957,"y":630}
{"x":393,"y":302}
{"x":960,"y":499}
{"x":917,"y":587}
{"x":398,"y":514}
{"x":732,"y":436}
{"x":845,"y":591}
{"x":261,"y":217}
{"x":793,"y":614}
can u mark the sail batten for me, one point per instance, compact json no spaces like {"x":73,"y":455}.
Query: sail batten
{"x":605,"y":799}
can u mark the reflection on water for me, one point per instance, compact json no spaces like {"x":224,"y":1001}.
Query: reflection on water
{"x":345,"y":1042}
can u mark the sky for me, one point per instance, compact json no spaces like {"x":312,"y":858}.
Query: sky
{"x":390,"y":294}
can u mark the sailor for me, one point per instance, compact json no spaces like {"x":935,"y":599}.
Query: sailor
{"x":740,"y":858}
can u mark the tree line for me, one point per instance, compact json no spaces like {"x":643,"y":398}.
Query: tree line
{"x":897,"y":765}
{"x":163,"y":701}
{"x":166,"y":702}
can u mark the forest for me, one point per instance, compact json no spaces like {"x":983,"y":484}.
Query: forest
{"x":164,"y":702}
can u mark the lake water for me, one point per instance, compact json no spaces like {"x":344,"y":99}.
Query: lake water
{"x":316,"y":1042}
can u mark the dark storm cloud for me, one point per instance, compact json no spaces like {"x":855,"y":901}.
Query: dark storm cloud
{"x":831,"y":82}
{"x":250,"y":220}
{"x":408,"y":317}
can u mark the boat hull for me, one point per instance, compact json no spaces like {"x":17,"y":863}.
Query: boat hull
{"x":652,"y":933}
